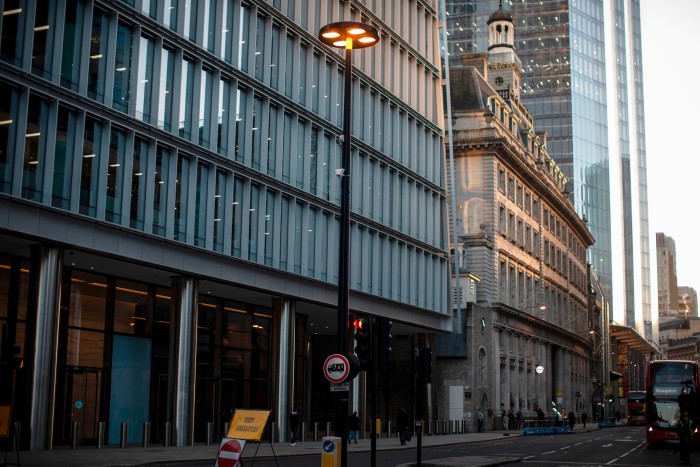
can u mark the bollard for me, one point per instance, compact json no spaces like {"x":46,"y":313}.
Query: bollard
{"x":315,"y":431}
{"x":430,"y":427}
{"x":124,"y":438}
{"x":210,"y":433}
{"x":227,"y":425}
{"x":274,"y":435}
{"x":446,"y":427}
{"x":168,"y":434}
{"x":101,"y":435}
{"x":76,"y":435}
{"x":303,"y":431}
{"x":388,"y":432}
{"x":438,"y":426}
{"x":18,"y":432}
{"x":328,"y":428}
{"x":146,"y":434}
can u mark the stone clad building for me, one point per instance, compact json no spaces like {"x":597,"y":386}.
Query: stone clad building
{"x":527,"y":334}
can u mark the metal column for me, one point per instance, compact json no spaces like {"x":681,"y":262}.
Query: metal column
{"x":184,"y":346}
{"x":47,"y":264}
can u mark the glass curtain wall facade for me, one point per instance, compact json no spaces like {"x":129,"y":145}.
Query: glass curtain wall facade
{"x":219,"y":144}
{"x":211,"y":126}
{"x":582,"y":81}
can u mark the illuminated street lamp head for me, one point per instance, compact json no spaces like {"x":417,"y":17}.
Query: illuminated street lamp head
{"x":349,"y":35}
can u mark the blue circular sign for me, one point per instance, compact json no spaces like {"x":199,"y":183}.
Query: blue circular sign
{"x":78,"y":404}
{"x":328,"y":446}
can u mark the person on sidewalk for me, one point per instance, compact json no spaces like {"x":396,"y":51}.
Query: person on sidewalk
{"x":540,"y":417}
{"x":584,"y":418}
{"x":572,"y":419}
{"x":480,"y":420}
{"x":294,"y":426}
{"x":402,"y":425}
{"x":685,"y":437}
{"x":353,"y":428}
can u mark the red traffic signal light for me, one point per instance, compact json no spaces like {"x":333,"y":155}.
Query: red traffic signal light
{"x":361,"y":325}
{"x":362,"y":340}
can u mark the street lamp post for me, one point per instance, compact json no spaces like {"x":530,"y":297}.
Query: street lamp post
{"x":348,"y":35}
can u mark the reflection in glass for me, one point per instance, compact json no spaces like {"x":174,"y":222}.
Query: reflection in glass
{"x":88,"y":298}
{"x":138,"y":195}
{"x":181,"y":197}
{"x":186,"y":101}
{"x":200,"y":213}
{"x":224,"y":115}
{"x":205,"y":102}
{"x":122,"y":68}
{"x":160,"y":191}
{"x":227,"y":37}
{"x":219,"y":211}
{"x":99,"y":39}
{"x":115,"y":176}
{"x":144,"y":84}
{"x":165,"y":102}
{"x":90,"y":157}
{"x":131,"y":303}
{"x":85,"y":348}
{"x":63,"y":158}
{"x":254,"y":217}
{"x":42,"y":52}
{"x":13,"y":20}
{"x":237,"y":216}
{"x":34,"y":147}
{"x":72,"y":42}
{"x":8,"y":118}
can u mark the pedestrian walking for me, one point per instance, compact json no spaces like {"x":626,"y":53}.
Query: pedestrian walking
{"x":584,"y":418}
{"x":480,"y":420}
{"x":353,"y":428}
{"x":402,"y":425}
{"x":518,"y":420}
{"x":504,"y":420}
{"x":685,"y":437}
{"x":294,"y":426}
{"x":511,"y":420}
{"x":572,"y":419}
{"x":540,"y":417}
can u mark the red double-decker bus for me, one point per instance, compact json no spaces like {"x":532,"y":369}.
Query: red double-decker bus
{"x":673,"y":387}
{"x":636,"y":408}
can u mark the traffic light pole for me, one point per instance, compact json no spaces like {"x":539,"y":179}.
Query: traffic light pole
{"x":373,"y":390}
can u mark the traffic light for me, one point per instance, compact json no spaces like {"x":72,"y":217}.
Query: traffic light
{"x":384,"y":343}
{"x":362,"y":342}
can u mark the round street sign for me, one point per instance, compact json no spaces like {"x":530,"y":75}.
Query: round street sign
{"x":336,"y":368}
{"x":229,"y":452}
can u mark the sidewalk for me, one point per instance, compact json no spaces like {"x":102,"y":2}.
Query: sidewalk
{"x":113,"y":456}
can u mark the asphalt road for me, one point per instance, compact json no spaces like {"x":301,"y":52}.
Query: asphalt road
{"x":623,"y":446}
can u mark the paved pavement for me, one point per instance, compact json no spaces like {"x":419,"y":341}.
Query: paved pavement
{"x":113,"y":456}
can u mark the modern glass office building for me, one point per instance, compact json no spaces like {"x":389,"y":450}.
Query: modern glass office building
{"x":169,"y":206}
{"x":582,"y":81}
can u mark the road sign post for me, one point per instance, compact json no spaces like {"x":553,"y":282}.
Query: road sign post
{"x":230,"y":452}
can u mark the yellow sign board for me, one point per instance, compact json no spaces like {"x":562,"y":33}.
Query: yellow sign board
{"x":4,"y":421}
{"x":248,"y":424}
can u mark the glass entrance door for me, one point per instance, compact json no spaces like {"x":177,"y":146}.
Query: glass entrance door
{"x":82,"y":403}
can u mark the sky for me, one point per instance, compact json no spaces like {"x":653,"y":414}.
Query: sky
{"x":670,"y":42}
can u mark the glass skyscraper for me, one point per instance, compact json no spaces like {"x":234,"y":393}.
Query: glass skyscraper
{"x":582,"y":81}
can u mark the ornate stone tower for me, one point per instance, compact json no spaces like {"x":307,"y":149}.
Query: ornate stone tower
{"x":505,"y":68}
